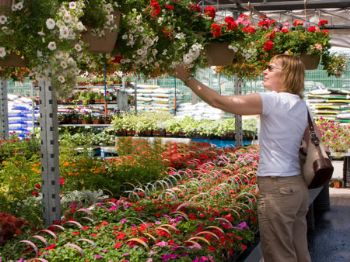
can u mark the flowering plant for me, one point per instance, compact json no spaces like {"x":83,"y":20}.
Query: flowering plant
{"x":56,"y":49}
{"x":334,"y":136}
{"x":255,"y":49}
{"x":48,"y":51}
{"x":301,"y":38}
{"x":157,"y":36}
{"x":100,"y":16}
{"x":217,"y":29}
{"x":334,"y":64}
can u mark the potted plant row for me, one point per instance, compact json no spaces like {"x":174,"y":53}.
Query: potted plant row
{"x":160,"y":124}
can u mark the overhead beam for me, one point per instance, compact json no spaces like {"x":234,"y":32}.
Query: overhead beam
{"x":265,"y":5}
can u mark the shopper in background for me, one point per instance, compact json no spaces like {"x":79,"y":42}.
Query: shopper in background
{"x":283,"y":194}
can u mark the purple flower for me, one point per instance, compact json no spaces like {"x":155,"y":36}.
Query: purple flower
{"x":168,"y":257}
{"x":204,"y":259}
{"x":162,"y":244}
{"x":243,"y":225}
{"x":98,"y":256}
{"x":123,"y":221}
{"x":112,"y":208}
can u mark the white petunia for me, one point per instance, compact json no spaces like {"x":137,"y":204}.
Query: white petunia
{"x":18,"y":6}
{"x":67,"y":18}
{"x":2,"y":51}
{"x":77,"y":47}
{"x":72,"y":5}
{"x":140,"y":52}
{"x":63,"y":64}
{"x":61,"y":79}
{"x":80,"y":26}
{"x":41,"y":33}
{"x":109,"y":8}
{"x":64,"y":32}
{"x":3,"y":19}
{"x":52,"y":46}
{"x":50,"y":23}
{"x":71,"y":61}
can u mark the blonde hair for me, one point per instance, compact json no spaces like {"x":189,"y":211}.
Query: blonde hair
{"x":293,"y":71}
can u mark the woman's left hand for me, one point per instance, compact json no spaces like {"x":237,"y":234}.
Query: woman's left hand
{"x":181,"y":72}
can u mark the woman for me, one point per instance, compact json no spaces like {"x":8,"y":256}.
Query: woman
{"x":283,"y":194}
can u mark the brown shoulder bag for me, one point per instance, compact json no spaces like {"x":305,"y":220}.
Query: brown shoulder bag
{"x":316,"y":166}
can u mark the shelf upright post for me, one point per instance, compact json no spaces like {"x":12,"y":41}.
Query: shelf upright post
{"x":175,"y":102}
{"x":4,"y":124}
{"x":49,"y":153}
{"x":238,"y":118}
{"x":135,"y":95}
{"x":105,"y":87}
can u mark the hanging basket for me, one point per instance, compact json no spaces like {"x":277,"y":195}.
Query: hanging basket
{"x":104,"y":44}
{"x":310,"y":61}
{"x":13,"y":60}
{"x":218,"y":54}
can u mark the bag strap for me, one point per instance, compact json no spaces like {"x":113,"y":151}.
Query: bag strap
{"x":314,"y":138}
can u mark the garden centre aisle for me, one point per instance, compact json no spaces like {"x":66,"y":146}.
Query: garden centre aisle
{"x":329,"y":241}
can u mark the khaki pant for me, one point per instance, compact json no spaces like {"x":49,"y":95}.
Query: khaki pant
{"x":282,"y":208}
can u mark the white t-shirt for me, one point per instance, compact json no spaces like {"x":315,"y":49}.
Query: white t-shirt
{"x":282,"y":125}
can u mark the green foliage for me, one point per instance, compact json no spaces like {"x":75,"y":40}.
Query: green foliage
{"x":334,"y":64}
{"x":18,"y":176}
{"x":143,"y":161}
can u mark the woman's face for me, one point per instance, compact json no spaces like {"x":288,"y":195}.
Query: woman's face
{"x":273,"y":76}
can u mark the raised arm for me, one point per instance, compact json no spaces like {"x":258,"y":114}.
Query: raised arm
{"x":241,"y":105}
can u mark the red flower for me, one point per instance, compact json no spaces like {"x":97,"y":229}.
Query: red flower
{"x":249,"y":29}
{"x":155,"y":8}
{"x":117,"y":59}
{"x":268,"y":45}
{"x":35,"y":193}
{"x":311,"y":29}
{"x":195,"y":7}
{"x":75,"y":233}
{"x":104,"y":223}
{"x":61,"y":181}
{"x":52,"y":246}
{"x":298,"y":22}
{"x":216,"y":30}
{"x":85,"y":228}
{"x":37,"y":186}
{"x":169,"y":7}
{"x":229,"y":217}
{"x":322,"y":22}
{"x":118,"y":245}
{"x":266,"y":23}
{"x":211,"y":249}
{"x":326,"y":32}
{"x":192,"y":216}
{"x":230,"y":23}
{"x":121,"y":235}
{"x":210,"y":11}
{"x":285,"y":29}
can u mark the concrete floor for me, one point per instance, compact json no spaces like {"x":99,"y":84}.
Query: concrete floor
{"x":330,"y":240}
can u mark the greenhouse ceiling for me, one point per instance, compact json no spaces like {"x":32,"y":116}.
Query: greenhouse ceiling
{"x":337,"y":12}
